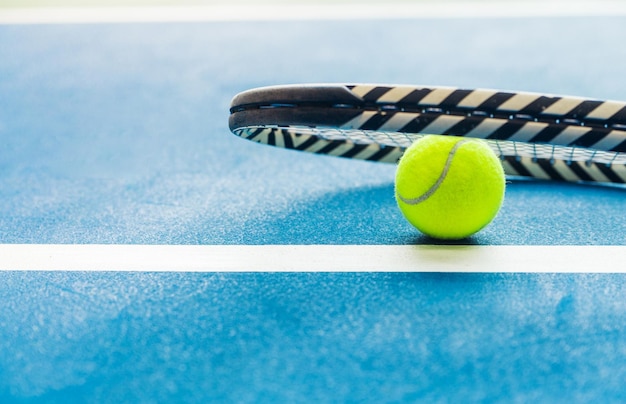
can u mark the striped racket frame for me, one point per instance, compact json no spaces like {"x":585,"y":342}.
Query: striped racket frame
{"x":536,"y":135}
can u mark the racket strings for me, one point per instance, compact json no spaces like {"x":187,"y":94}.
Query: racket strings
{"x":502,"y":148}
{"x":546,"y":161}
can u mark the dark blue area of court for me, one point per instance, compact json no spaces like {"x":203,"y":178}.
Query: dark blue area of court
{"x":118,"y":134}
{"x":312,"y":337}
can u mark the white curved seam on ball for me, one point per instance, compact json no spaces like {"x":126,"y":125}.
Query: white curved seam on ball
{"x":437,"y":184}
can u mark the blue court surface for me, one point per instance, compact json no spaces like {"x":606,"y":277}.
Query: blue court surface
{"x":114,"y":135}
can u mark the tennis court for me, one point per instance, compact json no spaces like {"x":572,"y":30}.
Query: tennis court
{"x":149,"y":255}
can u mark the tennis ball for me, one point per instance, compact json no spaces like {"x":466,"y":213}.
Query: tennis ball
{"x":449,"y":187}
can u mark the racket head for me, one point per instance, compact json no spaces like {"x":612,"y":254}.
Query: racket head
{"x":536,"y":135}
{"x":484,"y":113}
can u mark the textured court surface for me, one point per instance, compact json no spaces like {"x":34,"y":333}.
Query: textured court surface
{"x":117,"y":134}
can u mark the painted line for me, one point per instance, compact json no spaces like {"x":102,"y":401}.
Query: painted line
{"x":313,"y":258}
{"x":284,"y":12}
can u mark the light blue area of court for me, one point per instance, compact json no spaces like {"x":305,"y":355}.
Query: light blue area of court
{"x":117,"y":133}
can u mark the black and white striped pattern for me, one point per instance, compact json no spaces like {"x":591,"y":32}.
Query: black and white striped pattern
{"x":489,"y":114}
{"x":539,"y":136}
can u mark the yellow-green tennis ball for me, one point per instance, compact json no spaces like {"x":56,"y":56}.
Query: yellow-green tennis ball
{"x":449,"y":187}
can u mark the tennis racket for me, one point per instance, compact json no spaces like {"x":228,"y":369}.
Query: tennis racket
{"x":535,"y":135}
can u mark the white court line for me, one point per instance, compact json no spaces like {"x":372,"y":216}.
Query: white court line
{"x":283,"y":12}
{"x":313,"y":258}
